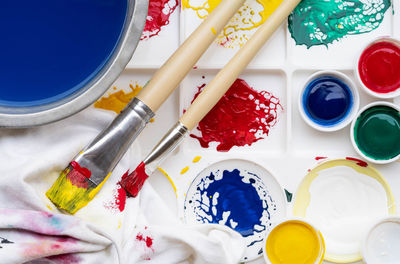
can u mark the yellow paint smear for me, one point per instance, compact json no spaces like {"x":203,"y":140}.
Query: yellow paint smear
{"x":294,"y":242}
{"x":184,"y":170}
{"x":69,"y":197}
{"x":242,"y":25}
{"x":170,"y":180}
{"x":117,"y":101}
{"x":196,"y":159}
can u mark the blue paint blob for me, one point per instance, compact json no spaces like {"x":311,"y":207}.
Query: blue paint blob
{"x":327,"y":100}
{"x":52,"y":48}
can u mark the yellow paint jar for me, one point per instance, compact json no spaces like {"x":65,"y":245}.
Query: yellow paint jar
{"x":294,"y":242}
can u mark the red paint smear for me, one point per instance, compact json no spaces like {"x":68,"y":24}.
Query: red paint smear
{"x":379,"y":67}
{"x":65,"y":259}
{"x":242,"y":117}
{"x":78,"y":175}
{"x":320,"y":158}
{"x":133,"y":182}
{"x":195,"y":67}
{"x":359,"y":162}
{"x":158,"y":16}
{"x":119,"y":199}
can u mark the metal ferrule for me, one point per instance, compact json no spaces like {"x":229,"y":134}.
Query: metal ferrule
{"x":106,"y":150}
{"x":167,"y":144}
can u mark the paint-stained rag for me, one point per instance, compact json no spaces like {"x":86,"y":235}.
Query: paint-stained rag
{"x":31,"y":230}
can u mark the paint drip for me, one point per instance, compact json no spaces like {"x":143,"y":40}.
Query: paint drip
{"x":236,"y":199}
{"x":327,"y":101}
{"x":158,"y":16}
{"x":241,"y":117}
{"x":379,"y":67}
{"x":316,"y":22}
{"x":243,"y":25}
{"x":377,"y":133}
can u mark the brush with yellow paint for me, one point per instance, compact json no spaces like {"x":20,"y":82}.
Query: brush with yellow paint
{"x":207,"y":99}
{"x":83,"y":178}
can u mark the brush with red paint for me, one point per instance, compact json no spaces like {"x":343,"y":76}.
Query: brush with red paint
{"x":206,"y":100}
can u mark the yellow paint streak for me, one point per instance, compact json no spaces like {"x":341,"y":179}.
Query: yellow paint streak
{"x":196,"y":159}
{"x":119,"y":224}
{"x":213,"y":31}
{"x":294,"y":242}
{"x":169,"y":179}
{"x":184,"y":170}
{"x":69,"y":197}
{"x":49,"y":207}
{"x":249,"y":17}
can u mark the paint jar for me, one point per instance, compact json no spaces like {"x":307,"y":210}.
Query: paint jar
{"x":294,"y":241}
{"x":382,"y":244}
{"x":378,"y":68}
{"x":375,"y":133}
{"x":329,"y":101}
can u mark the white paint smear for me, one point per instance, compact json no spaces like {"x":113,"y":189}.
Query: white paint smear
{"x":344,"y":205}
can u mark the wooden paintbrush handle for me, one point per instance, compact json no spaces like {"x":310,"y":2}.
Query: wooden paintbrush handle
{"x":227,"y":76}
{"x":168,"y":77}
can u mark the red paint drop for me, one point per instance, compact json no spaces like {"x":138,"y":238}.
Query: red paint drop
{"x":147,"y":240}
{"x":133,"y":182}
{"x":359,"y":162}
{"x":379,"y":67}
{"x":241,"y":117}
{"x":320,"y":158}
{"x":78,"y":175}
{"x":158,"y":16}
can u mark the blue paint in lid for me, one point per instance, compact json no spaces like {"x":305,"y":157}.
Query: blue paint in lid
{"x":50,"y":49}
{"x":327,"y":100}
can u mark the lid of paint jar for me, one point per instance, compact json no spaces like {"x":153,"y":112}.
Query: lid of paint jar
{"x":375,"y":133}
{"x":382,"y":243}
{"x":294,"y":240}
{"x":377,"y":68}
{"x":328,"y":101}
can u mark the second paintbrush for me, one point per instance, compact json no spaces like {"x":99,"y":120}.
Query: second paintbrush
{"x":207,"y":99}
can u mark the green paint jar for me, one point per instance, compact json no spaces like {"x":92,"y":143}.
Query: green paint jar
{"x":375,"y":133}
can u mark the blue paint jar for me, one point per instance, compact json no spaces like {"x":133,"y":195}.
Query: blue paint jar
{"x":328,"y":101}
{"x":49,"y":50}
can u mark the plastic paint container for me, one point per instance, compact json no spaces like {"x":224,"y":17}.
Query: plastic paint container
{"x":375,"y":133}
{"x":294,"y":241}
{"x":378,"y":68}
{"x":382,"y":244}
{"x":328,"y":101}
{"x":58,"y":57}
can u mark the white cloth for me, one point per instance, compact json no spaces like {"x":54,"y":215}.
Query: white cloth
{"x":32,"y":230}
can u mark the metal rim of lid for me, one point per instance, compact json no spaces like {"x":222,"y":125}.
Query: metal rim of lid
{"x":40,"y":115}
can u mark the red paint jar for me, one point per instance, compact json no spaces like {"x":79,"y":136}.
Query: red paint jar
{"x":378,"y":68}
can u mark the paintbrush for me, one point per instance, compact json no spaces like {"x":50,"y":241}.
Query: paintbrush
{"x":207,"y":99}
{"x":83,"y":178}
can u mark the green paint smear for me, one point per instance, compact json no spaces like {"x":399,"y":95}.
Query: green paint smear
{"x":321,"y":22}
{"x":377,"y":132}
{"x":289,"y":196}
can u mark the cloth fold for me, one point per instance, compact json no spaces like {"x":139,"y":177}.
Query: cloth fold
{"x":143,"y":230}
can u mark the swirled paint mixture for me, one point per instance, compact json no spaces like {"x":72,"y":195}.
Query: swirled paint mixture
{"x":242,"y":25}
{"x":158,"y":16}
{"x":237,"y":199}
{"x":316,"y":22}
{"x":241,"y":117}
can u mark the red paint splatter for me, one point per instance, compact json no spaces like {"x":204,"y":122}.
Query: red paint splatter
{"x":359,"y":162}
{"x":119,"y":198}
{"x":78,"y":175}
{"x":65,"y":259}
{"x":241,"y":117}
{"x":147,"y":243}
{"x":133,"y":182}
{"x":308,"y":170}
{"x":379,"y":67}
{"x":195,"y":67}
{"x":320,"y":158}
{"x":158,"y":16}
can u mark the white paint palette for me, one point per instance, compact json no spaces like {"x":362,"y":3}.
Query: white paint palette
{"x":281,"y":68}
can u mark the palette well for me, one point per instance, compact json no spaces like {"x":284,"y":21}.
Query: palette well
{"x":291,"y":147}
{"x":239,"y":194}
